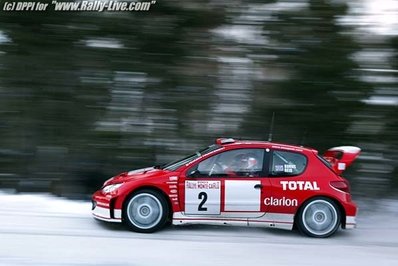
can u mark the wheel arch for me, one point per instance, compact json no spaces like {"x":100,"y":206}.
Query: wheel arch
{"x":336,"y":201}
{"x":153,"y":188}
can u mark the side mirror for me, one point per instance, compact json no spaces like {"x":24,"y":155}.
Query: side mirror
{"x":194,"y":173}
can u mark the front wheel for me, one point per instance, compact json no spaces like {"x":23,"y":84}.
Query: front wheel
{"x":146,"y":211}
{"x":320,"y":217}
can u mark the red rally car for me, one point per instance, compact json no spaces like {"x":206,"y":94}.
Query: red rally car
{"x":235,"y":182}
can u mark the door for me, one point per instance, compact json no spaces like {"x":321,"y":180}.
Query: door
{"x":228,"y":184}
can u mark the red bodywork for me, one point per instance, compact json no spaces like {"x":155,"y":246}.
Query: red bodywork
{"x":280,"y":197}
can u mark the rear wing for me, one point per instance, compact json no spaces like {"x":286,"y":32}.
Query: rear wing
{"x":341,"y":157}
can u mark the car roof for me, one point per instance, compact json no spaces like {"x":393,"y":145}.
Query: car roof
{"x":265,"y":144}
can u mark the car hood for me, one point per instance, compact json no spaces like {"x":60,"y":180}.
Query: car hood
{"x":136,"y":174}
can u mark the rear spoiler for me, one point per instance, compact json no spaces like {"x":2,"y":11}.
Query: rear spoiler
{"x":341,"y":157}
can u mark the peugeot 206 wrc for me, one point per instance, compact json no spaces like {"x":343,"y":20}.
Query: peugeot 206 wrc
{"x":235,"y":182}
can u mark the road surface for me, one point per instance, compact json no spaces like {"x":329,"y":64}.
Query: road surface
{"x":37,"y":229}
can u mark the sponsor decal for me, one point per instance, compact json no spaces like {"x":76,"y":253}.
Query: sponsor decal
{"x":281,"y":202}
{"x":173,"y":178}
{"x":299,"y":185}
{"x":289,"y":168}
{"x":173,"y":191}
{"x":286,"y":148}
{"x":202,"y":185}
{"x":172,"y":186}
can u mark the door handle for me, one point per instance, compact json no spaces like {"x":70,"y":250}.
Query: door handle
{"x":257,"y":186}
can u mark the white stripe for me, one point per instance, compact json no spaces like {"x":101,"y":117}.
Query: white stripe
{"x":277,"y":220}
{"x":222,"y":215}
{"x":348,"y":149}
{"x":118,"y":213}
{"x":210,"y":222}
{"x":108,"y":220}
{"x":350,"y":222}
{"x":280,"y":217}
{"x":104,"y":214}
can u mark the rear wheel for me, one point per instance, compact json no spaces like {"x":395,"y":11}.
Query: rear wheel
{"x":319,"y":217}
{"x":146,"y":211}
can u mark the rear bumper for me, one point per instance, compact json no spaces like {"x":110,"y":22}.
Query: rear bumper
{"x":350,"y":222}
{"x":102,"y":208}
{"x":351,"y":215}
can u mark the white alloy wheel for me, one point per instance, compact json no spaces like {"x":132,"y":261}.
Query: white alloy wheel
{"x":146,"y":211}
{"x":319,"y":218}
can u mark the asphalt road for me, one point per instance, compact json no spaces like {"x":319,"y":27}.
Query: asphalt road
{"x":46,"y":230}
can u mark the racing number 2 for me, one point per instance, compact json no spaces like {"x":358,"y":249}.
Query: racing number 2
{"x":202,"y":196}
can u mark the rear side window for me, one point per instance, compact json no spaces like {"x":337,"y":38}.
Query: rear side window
{"x":286,"y":163}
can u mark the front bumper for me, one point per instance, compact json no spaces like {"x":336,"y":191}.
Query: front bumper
{"x":102,"y":208}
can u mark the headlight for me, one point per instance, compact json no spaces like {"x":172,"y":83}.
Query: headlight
{"x":111,"y":188}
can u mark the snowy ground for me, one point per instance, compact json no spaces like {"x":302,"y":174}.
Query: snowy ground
{"x":37,"y":229}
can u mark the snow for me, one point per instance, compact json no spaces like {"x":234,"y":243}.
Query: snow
{"x":376,"y":17}
{"x":40,"y":229}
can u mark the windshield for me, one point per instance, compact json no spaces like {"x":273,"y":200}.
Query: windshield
{"x":175,"y":165}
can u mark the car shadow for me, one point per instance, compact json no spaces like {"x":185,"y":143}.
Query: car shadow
{"x":200,"y":229}
{"x":111,"y":226}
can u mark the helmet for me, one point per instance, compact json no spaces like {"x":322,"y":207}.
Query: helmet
{"x":244,"y":162}
{"x":251,"y":162}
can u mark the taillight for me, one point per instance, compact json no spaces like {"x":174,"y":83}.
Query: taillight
{"x":341,"y":185}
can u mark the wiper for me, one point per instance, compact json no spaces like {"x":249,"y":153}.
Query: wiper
{"x":159,"y":166}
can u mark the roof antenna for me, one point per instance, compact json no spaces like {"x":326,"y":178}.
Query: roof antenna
{"x":271,"y":127}
{"x":304,"y":138}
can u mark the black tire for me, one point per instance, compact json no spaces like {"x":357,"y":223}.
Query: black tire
{"x":319,"y":217}
{"x":146,"y":211}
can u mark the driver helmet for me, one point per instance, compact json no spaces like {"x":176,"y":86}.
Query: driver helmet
{"x":244,"y":162}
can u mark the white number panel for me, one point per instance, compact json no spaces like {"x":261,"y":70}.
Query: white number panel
{"x":202,"y":197}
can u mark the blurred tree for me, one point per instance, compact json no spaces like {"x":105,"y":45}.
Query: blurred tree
{"x":314,"y":102}
{"x":84,"y":95}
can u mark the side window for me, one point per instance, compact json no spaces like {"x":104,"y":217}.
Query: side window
{"x":285,"y":163}
{"x":240,"y":162}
